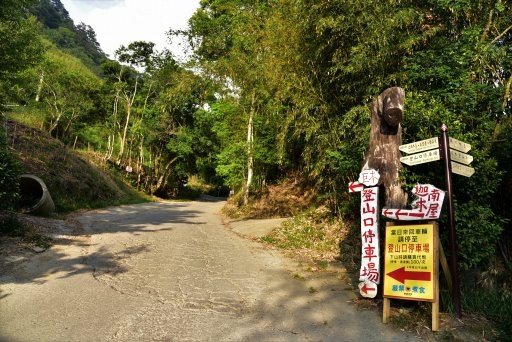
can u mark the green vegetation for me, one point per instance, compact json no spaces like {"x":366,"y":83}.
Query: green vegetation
{"x":495,"y":305}
{"x":275,"y":91}
{"x":307,"y":231}
{"x":302,"y":87}
{"x":9,"y":177}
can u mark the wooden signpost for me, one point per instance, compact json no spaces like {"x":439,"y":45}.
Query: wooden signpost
{"x":412,"y":252}
{"x":453,"y":153}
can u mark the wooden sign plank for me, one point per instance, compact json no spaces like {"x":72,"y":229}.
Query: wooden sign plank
{"x":460,"y":157}
{"x":462,"y":170}
{"x":422,"y":157}
{"x":459,"y":145}
{"x":419,"y":146}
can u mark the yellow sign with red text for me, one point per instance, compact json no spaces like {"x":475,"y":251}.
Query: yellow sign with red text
{"x":409,"y":259}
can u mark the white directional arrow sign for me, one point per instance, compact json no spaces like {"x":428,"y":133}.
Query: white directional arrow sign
{"x":460,"y":157}
{"x":462,"y":170}
{"x":422,"y":157}
{"x":459,"y":145}
{"x":419,"y":146}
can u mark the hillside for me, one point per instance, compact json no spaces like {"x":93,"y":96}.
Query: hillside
{"x":73,"y":181}
{"x":77,"y":39}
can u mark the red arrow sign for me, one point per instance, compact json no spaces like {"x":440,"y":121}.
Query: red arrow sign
{"x":355,"y":187}
{"x":387,"y":212}
{"x":365,"y":289}
{"x":401,"y":275}
{"x":399,"y":213}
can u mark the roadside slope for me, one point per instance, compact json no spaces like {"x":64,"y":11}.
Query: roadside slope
{"x":73,"y":181}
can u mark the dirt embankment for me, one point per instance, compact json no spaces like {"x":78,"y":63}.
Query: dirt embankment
{"x":73,"y":180}
{"x":286,"y":199}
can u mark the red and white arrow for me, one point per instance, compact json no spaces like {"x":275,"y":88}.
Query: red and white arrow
{"x":399,"y":213}
{"x":368,"y":289}
{"x":365,"y":289}
{"x":418,"y":215}
{"x":355,"y":187}
{"x":403,"y":214}
{"x":394,"y":212}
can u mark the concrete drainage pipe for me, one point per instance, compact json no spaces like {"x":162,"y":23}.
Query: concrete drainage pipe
{"x":35,"y":197}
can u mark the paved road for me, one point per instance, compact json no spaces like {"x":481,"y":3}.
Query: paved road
{"x":171,"y":271}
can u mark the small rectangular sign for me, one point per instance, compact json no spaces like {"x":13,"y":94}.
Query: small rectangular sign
{"x":462,"y":170}
{"x":419,"y":146}
{"x":460,"y":157}
{"x":459,"y":145}
{"x":422,"y":157}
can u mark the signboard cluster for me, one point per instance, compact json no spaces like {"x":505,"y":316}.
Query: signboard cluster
{"x":411,"y":251}
{"x":427,"y":150}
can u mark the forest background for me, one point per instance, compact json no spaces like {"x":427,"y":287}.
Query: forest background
{"x":274,"y":90}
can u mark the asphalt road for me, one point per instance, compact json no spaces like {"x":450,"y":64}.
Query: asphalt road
{"x":170,"y":271}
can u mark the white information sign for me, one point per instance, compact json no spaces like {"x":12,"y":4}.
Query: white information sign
{"x":460,"y":157}
{"x":459,"y":145}
{"x":369,"y":177}
{"x":427,"y":206}
{"x":462,"y":170}
{"x":422,"y":157}
{"x":419,"y":146}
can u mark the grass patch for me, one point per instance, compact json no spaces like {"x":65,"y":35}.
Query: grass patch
{"x":322,"y":264}
{"x":32,"y":116}
{"x":10,"y":225}
{"x":314,"y":234}
{"x":495,"y":305}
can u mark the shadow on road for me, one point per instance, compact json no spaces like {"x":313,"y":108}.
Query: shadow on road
{"x":316,"y":307}
{"x":73,"y":253}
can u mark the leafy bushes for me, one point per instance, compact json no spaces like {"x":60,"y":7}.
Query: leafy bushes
{"x":478,"y":229}
{"x":9,"y":176}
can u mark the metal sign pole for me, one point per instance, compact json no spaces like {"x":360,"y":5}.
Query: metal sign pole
{"x":445,"y":150}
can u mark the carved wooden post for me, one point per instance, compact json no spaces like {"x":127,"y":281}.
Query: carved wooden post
{"x":385,"y":139}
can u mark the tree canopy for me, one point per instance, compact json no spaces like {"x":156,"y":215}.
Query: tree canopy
{"x":276,"y":88}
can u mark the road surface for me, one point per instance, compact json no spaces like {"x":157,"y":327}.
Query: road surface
{"x":170,"y":271}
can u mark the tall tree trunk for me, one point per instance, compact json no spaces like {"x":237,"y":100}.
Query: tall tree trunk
{"x":129,"y":105}
{"x":162,"y":180}
{"x":40,"y":86}
{"x":250,"y":150}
